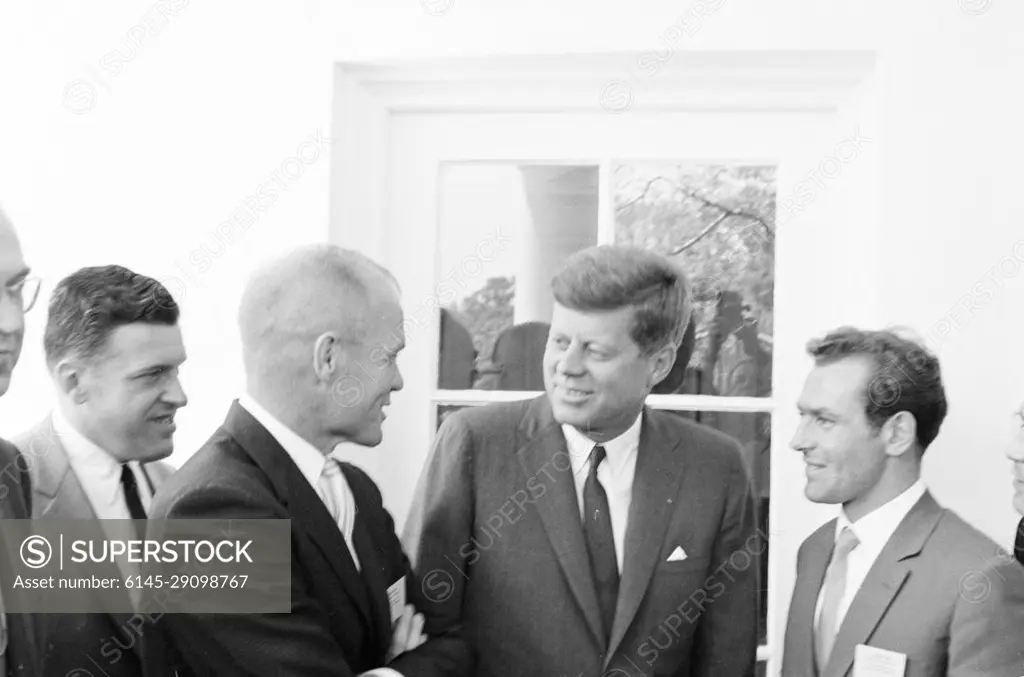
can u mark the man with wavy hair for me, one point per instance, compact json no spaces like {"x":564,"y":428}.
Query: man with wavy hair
{"x":582,"y":532}
{"x":895,"y":577}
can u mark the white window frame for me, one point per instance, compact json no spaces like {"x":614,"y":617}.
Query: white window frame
{"x":367,"y":95}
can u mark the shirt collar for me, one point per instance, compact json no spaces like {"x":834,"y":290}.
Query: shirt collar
{"x":879,"y":525}
{"x":308,"y":458}
{"x":619,"y":449}
{"x":92,"y":465}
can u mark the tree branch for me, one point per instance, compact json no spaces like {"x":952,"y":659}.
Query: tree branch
{"x":730,"y":212}
{"x":683,"y":247}
{"x":643,"y":193}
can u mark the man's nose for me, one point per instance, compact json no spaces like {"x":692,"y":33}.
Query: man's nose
{"x":12,"y":317}
{"x":175,"y":394}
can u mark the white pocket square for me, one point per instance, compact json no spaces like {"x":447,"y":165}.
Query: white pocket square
{"x":678,"y":555}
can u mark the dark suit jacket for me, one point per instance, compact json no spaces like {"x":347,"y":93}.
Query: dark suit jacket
{"x":1018,"y":543}
{"x":339,"y":623}
{"x":113,"y":641}
{"x":495,"y":532}
{"x":940,"y":592}
{"x":16,"y":503}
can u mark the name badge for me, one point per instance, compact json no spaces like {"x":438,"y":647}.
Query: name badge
{"x":396,"y":599}
{"x":870,"y":661}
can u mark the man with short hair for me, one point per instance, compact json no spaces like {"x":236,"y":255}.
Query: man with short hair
{"x":896,"y":577}
{"x":18,"y":293}
{"x":113,"y":349}
{"x":321,"y":330}
{"x":581,"y":532}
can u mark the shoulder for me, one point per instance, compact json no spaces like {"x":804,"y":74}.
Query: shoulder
{"x":218,"y":478}
{"x":700,"y":443}
{"x":495,"y":422}
{"x":960,"y":544}
{"x":496,"y":415}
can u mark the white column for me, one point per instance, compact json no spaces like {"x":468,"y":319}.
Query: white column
{"x":562,"y":203}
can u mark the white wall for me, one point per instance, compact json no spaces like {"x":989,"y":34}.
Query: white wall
{"x":951,"y":180}
{"x":190,"y":127}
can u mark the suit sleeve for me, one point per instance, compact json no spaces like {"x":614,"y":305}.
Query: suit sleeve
{"x":726,"y":639}
{"x":439,"y":526}
{"x":987,"y":633}
{"x":269,"y":645}
{"x":446,"y":653}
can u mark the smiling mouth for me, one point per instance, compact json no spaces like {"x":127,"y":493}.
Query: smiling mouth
{"x":165,"y":420}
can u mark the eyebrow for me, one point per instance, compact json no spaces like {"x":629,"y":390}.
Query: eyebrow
{"x":817,"y":411}
{"x":19,"y":276}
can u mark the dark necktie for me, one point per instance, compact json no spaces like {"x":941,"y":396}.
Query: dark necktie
{"x":131,"y":498}
{"x":1018,"y":544}
{"x":597,"y":525}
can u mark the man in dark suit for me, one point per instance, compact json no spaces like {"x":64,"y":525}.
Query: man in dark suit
{"x":1016,"y":454}
{"x":581,"y":532}
{"x":321,"y":328}
{"x":18,"y":293}
{"x":113,"y":348}
{"x":896,"y":578}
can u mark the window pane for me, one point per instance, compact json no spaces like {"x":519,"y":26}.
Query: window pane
{"x":718,"y":223}
{"x":505,"y":228}
{"x":753,"y":433}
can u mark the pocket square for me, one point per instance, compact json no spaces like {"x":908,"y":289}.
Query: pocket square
{"x":678,"y":555}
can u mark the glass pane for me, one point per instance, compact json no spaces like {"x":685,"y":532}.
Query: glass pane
{"x":718,"y":222}
{"x":505,"y":228}
{"x":753,"y":432}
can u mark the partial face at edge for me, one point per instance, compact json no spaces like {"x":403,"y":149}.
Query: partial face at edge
{"x":12,"y":316}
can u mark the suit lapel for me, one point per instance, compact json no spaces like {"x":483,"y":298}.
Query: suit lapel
{"x":308,"y":512}
{"x":149,"y":479}
{"x":20,"y":627}
{"x":546,"y":457}
{"x":882,"y":583}
{"x":800,"y":631}
{"x":57,"y":492}
{"x":655,"y":484}
{"x":373,"y":570}
{"x":62,"y":496}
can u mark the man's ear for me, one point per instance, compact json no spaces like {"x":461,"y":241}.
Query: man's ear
{"x":328,"y":356}
{"x":662,"y":362}
{"x":899,"y":433}
{"x":69,"y":375}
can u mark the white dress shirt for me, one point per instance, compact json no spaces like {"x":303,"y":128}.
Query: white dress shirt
{"x":615,"y":475}
{"x":311,"y":462}
{"x":99,"y":473}
{"x":873,"y":531}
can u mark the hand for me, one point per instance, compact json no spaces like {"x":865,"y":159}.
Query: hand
{"x":407,"y":633}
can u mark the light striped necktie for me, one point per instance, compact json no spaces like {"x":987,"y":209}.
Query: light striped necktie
{"x":337,"y":496}
{"x":835,"y":589}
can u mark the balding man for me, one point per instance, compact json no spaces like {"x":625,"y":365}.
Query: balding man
{"x":321,"y":328}
{"x":17,"y":294}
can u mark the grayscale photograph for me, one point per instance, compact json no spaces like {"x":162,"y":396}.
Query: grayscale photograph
{"x":441,"y":338}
